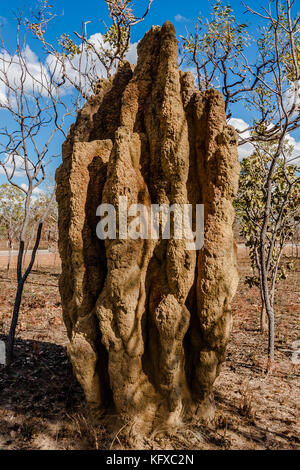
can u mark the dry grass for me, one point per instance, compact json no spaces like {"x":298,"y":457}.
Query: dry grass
{"x":42,"y":406}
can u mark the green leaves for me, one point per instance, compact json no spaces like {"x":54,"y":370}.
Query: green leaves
{"x":250,"y":205}
{"x":215,"y":48}
{"x":68,"y":45}
{"x":11,"y":209}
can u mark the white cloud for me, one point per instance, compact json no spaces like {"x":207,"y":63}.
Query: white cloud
{"x":37,"y":191}
{"x":131,"y":55}
{"x":296,"y":151}
{"x":2,"y":94}
{"x":240,"y":125}
{"x":86,"y":60}
{"x":11,"y":68}
{"x":291,"y":96}
{"x":181,"y":19}
{"x":246,"y":149}
{"x":189,"y":68}
{"x":15,"y":166}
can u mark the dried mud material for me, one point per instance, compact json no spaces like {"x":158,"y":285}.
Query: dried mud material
{"x":148,"y":320}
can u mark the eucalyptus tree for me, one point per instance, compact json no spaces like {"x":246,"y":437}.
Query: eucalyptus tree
{"x":283,"y":221}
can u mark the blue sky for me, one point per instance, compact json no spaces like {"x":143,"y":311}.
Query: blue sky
{"x":94,"y":10}
{"x":73,"y":13}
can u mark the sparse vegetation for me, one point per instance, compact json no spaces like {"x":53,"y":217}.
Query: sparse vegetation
{"x":42,"y":405}
{"x":254,"y":410}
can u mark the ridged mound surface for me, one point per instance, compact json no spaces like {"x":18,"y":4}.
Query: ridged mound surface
{"x":148,"y":320}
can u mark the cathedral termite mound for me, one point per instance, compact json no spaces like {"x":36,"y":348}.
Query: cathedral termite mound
{"x":148,"y":320}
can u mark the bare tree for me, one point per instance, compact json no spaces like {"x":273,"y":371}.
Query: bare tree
{"x":81,"y":61}
{"x":43,"y":203}
{"x":11,"y":215}
{"x":34,"y":113}
{"x":216,"y":48}
{"x":37,"y":109}
{"x":282,"y":224}
{"x":279,"y":99}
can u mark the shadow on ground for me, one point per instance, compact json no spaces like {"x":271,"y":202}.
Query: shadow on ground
{"x":39,"y":381}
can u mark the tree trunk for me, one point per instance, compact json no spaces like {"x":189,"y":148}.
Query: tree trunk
{"x":14,"y":322}
{"x":30,"y":240}
{"x":268,"y":302}
{"x":271,"y":339}
{"x":270,"y":314}
{"x":18,"y":298}
{"x":10,"y":249}
{"x":263,"y":311}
